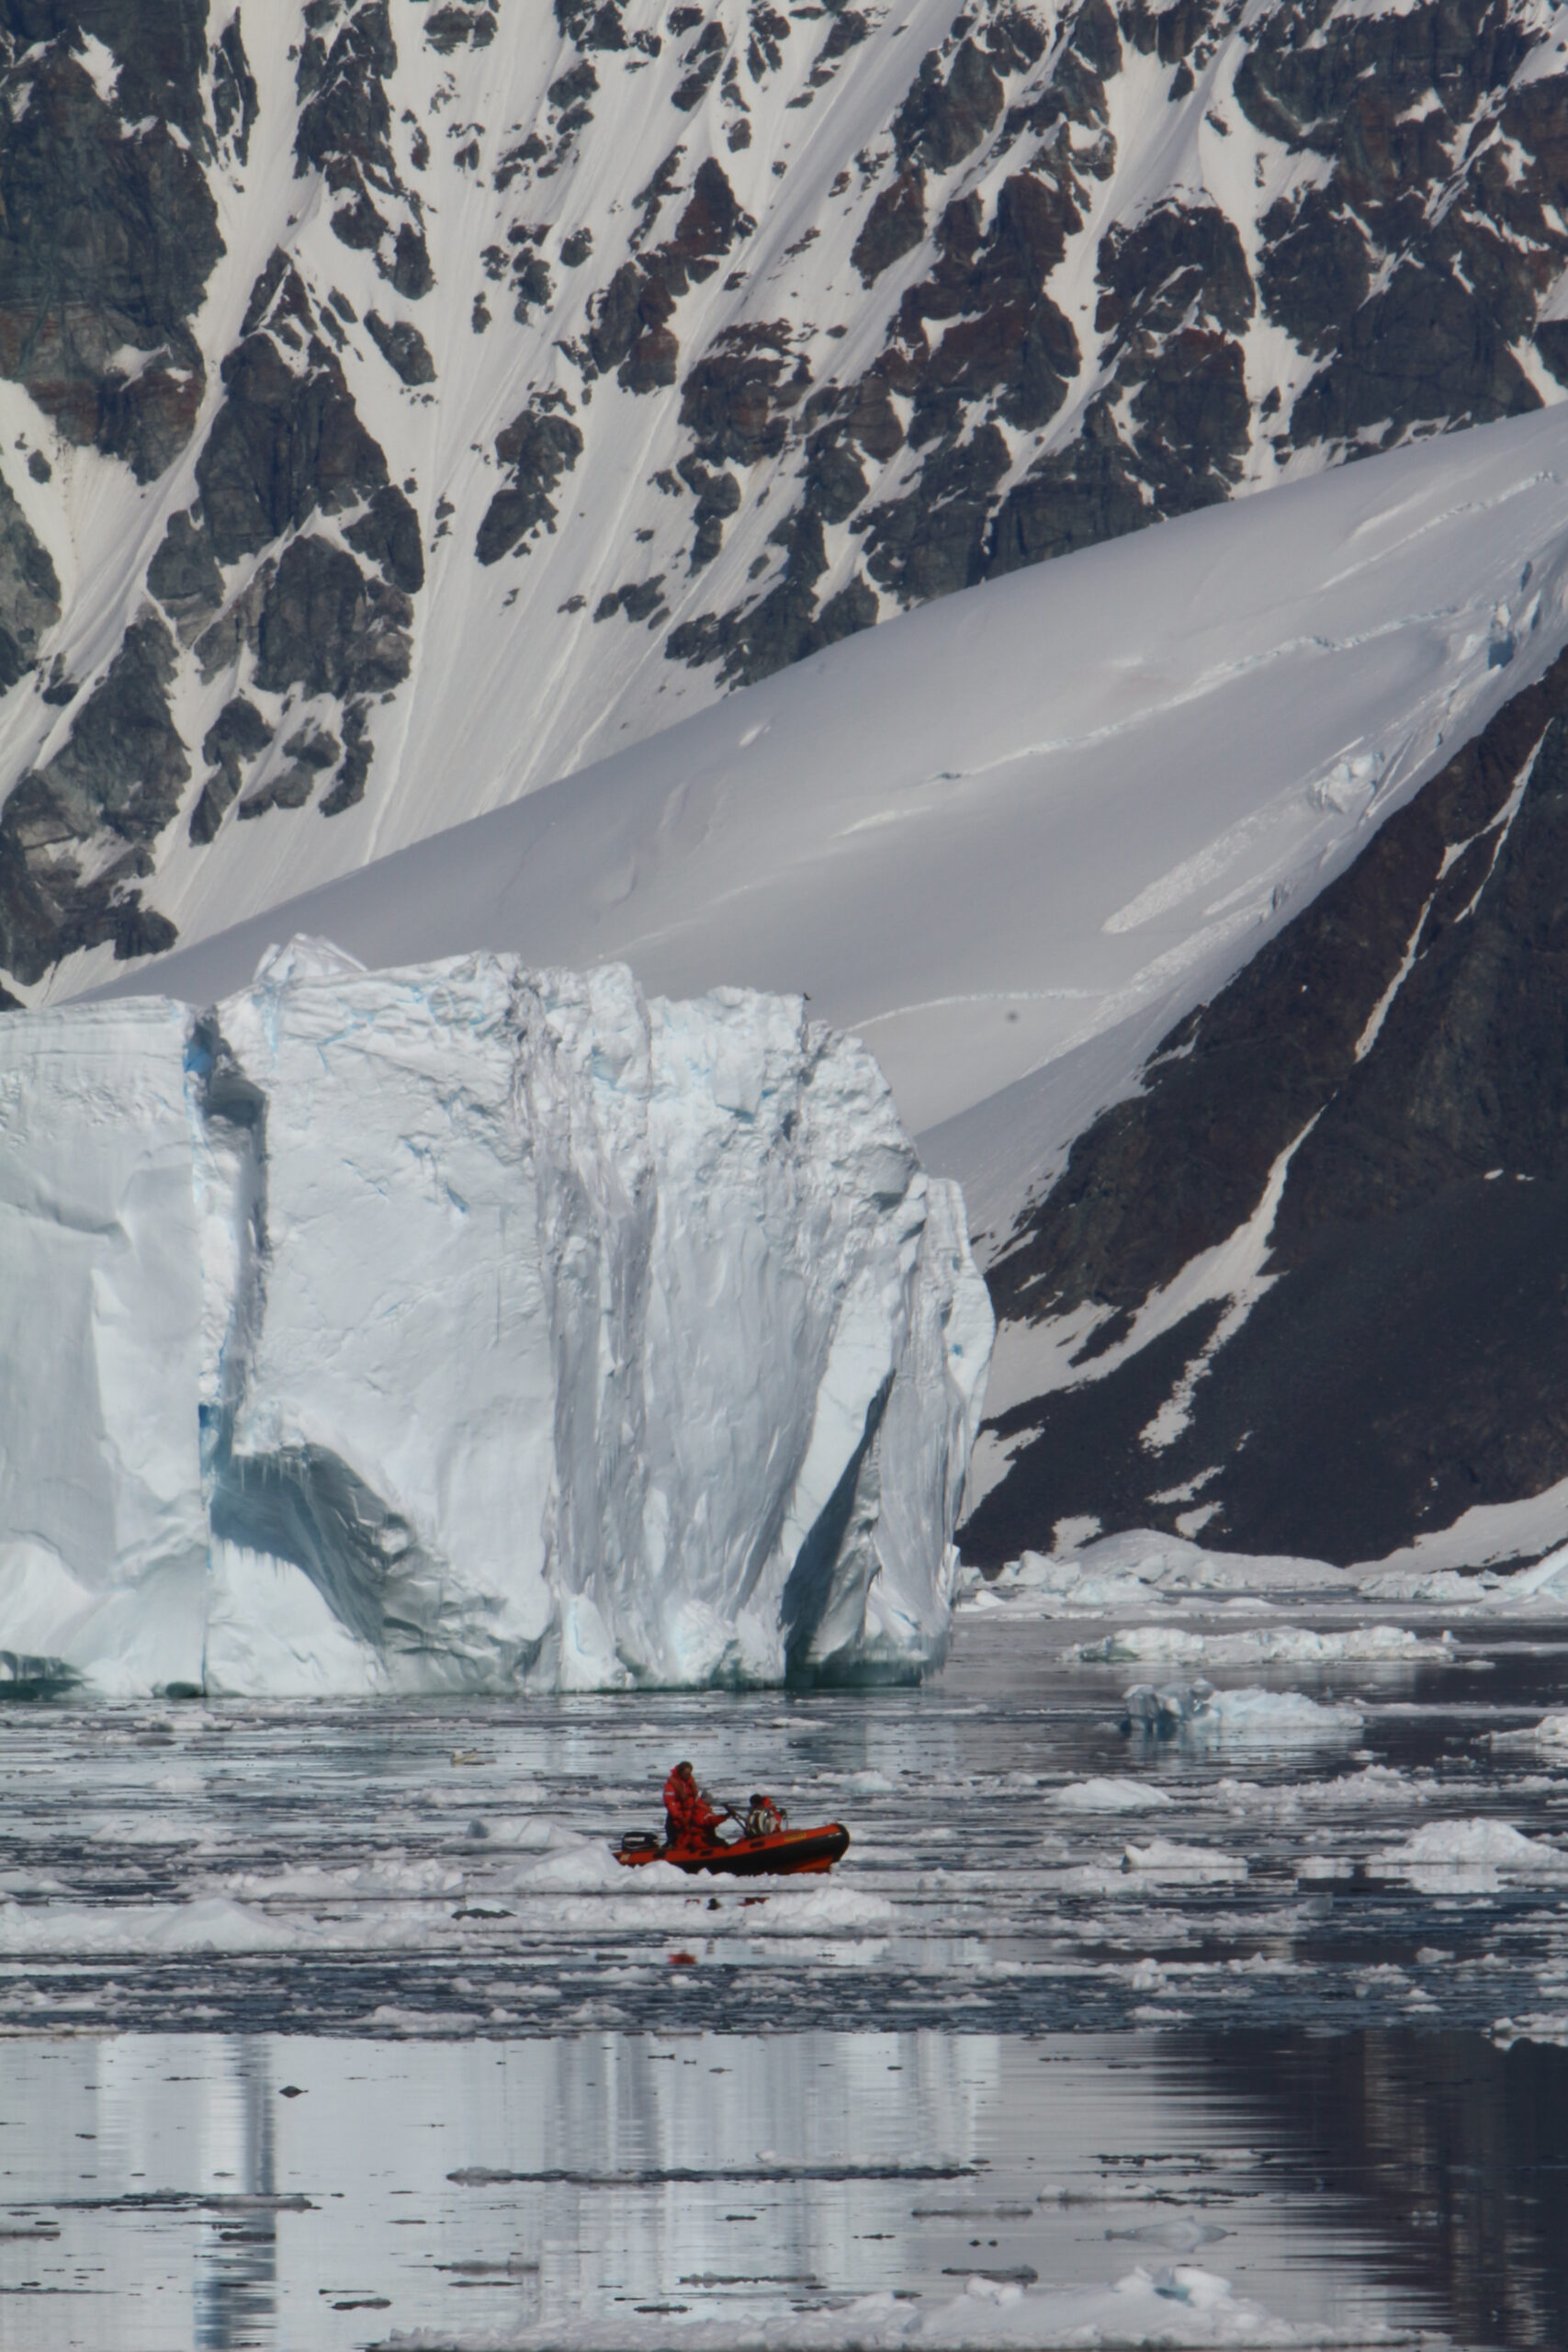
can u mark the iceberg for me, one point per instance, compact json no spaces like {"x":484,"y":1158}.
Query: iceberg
{"x":470,"y":1326}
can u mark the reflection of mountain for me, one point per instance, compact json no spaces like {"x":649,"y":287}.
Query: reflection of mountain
{"x":1454,"y":2152}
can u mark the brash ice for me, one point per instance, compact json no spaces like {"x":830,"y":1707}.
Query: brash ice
{"x":465,"y":1326}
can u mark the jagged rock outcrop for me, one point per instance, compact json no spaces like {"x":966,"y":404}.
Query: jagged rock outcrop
{"x":113,"y":785}
{"x":106,"y":239}
{"x":29,"y":591}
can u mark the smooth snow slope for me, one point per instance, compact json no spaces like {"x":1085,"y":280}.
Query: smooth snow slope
{"x":1045,"y":815}
{"x":468,"y":1326}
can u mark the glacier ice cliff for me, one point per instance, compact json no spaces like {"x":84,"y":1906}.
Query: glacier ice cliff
{"x":471,"y":1327}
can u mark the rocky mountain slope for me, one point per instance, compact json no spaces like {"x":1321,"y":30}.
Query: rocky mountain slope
{"x":1305,"y":1289}
{"x":402,"y":403}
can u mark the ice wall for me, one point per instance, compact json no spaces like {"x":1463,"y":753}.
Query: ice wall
{"x":472,"y":1327}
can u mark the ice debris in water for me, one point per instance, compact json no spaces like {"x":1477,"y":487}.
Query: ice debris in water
{"x":468,"y":1326}
{"x":1474,"y":1857}
{"x":1177,"y":2305}
{"x":1112,"y":1793}
{"x":1269,"y":1646}
{"x":1254,"y":1717}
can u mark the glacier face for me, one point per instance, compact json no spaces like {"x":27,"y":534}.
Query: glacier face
{"x":470,"y":1326}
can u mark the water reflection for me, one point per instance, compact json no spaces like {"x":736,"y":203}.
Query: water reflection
{"x":1454,"y":2152}
{"x":219,"y":2192}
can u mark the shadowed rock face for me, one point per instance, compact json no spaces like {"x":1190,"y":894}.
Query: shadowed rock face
{"x":107,"y":241}
{"x":114,"y":785}
{"x":1410,"y":1358}
{"x":29,"y":591}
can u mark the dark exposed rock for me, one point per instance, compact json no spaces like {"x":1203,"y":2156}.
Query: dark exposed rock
{"x":124,"y":763}
{"x":348,"y":787}
{"x":718,"y":497}
{"x":388,"y":532}
{"x":638,"y":600}
{"x":736,"y":401}
{"x":185,"y":578}
{"x":1425,"y":348}
{"x":160,"y":47}
{"x":532,"y":285}
{"x":1087,"y":494}
{"x":106,"y":241}
{"x":236,"y":737}
{"x":234,"y":632}
{"x":704,"y":57}
{"x":309,"y":750}
{"x":893,"y":226}
{"x":1315,"y":269}
{"x":781,"y":626}
{"x":593,"y":24}
{"x":539,"y":447}
{"x":629,"y":329}
{"x":402,"y":347}
{"x":328,"y":628}
{"x":933,"y":544}
{"x":944,"y":119}
{"x":1004,"y":337}
{"x":29,"y":591}
{"x":116,"y":781}
{"x":235,"y":99}
{"x":452,"y":27}
{"x":345,"y":132}
{"x":282,"y":447}
{"x":1385,"y":98}
{"x":411,"y":276}
{"x":1414,"y":1330}
{"x":576,"y":248}
{"x":768,"y":29}
{"x":569,"y":92}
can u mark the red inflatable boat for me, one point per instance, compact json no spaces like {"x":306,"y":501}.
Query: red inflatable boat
{"x":786,"y":1853}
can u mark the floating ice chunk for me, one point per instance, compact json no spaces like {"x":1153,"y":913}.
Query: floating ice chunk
{"x":1112,"y":1794}
{"x":1278,"y":1718}
{"x":1250,"y":1717}
{"x":1162,"y":1712}
{"x":1182,"y":2235}
{"x":1474,"y":1857}
{"x":1120,"y":1572}
{"x":1163,"y":1859}
{"x":1551,"y":1733}
{"x":1267,"y":1645}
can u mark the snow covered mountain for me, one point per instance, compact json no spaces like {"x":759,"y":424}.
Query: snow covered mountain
{"x":469,"y":1328}
{"x":1232,"y":827}
{"x":405,"y":403}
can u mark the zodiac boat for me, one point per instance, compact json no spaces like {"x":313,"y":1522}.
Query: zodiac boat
{"x":787,"y":1852}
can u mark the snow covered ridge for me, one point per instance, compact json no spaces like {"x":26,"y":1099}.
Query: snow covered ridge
{"x":470,"y":1326}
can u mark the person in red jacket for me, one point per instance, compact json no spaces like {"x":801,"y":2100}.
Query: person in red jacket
{"x":689,"y":1818}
